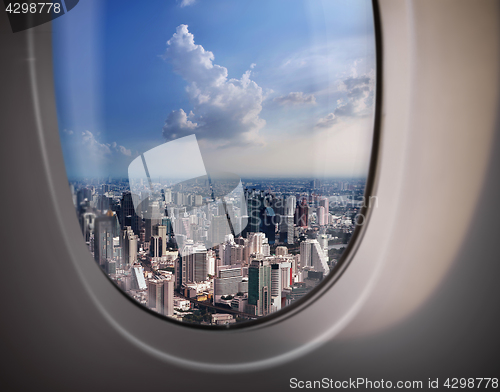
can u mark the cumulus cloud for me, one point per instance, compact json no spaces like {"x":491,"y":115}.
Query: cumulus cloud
{"x":93,"y":147}
{"x":327,"y":121}
{"x":225,"y":111}
{"x":358,"y":100}
{"x":185,"y":3}
{"x":296,"y":98}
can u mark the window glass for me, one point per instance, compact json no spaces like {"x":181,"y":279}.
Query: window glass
{"x":217,"y":151}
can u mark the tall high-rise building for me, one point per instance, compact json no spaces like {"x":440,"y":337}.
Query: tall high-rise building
{"x":269,"y":225}
{"x":153,"y":218}
{"x":302,"y":214}
{"x":312,"y":256}
{"x":320,"y":215}
{"x":259,"y":287}
{"x":291,"y":204}
{"x":127,"y":209}
{"x":255,"y":207}
{"x":219,"y":229}
{"x":128,"y":243}
{"x":286,"y":229}
{"x":325,"y":203}
{"x":103,"y":237}
{"x":155,"y":246}
{"x":194,"y":263}
{"x":161,"y":231}
{"x":161,"y":296}
{"x":281,"y":278}
{"x":168,"y":196}
{"x":255,"y":243}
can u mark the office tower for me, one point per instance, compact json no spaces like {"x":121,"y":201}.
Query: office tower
{"x":259,"y":287}
{"x":103,"y":237}
{"x":161,"y":231}
{"x":168,"y":297}
{"x":155,"y":288}
{"x":198,"y":200}
{"x":325,"y":203}
{"x":269,"y":225}
{"x":291,"y":204}
{"x":153,"y":218}
{"x":161,"y":296}
{"x":302,"y":214}
{"x":228,"y":281}
{"x":168,"y":196}
{"x":219,"y":228}
{"x":286,"y":229}
{"x":225,"y":249}
{"x":320,"y":216}
{"x":281,"y":278}
{"x":312,"y":256}
{"x":194,"y":263}
{"x":266,"y":248}
{"x":156,"y":246}
{"x":255,"y":206}
{"x":211,"y":262}
{"x":127,"y":208}
{"x":128,"y":243}
{"x":255,"y":242}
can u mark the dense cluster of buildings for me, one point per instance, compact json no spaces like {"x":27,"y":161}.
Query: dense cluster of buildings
{"x":200,"y":254}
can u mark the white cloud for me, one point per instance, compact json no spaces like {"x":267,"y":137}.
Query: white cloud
{"x":358,"y":100}
{"x":178,"y":119}
{"x":93,"y":148}
{"x":226,"y":111}
{"x":185,"y":3}
{"x":90,"y":142}
{"x":327,"y":121}
{"x":296,"y":98}
{"x":252,"y":66}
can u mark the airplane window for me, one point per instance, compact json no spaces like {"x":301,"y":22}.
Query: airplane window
{"x":217,"y":151}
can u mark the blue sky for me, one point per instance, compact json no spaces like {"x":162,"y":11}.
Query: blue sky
{"x":270,"y":88}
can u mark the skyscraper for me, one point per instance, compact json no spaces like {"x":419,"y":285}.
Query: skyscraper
{"x":259,"y":287}
{"x":128,"y":243}
{"x":281,"y":278}
{"x":311,"y":255}
{"x":302,"y":214}
{"x":103,"y":237}
{"x":325,"y":203}
{"x":161,"y":296}
{"x":155,"y":246}
{"x":194,"y":263}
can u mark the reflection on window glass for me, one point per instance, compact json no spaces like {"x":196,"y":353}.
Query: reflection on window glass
{"x":217,"y":151}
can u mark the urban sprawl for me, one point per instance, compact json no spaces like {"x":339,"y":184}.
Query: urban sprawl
{"x":217,"y":250}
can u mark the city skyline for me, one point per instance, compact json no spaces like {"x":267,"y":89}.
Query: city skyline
{"x":202,"y":252}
